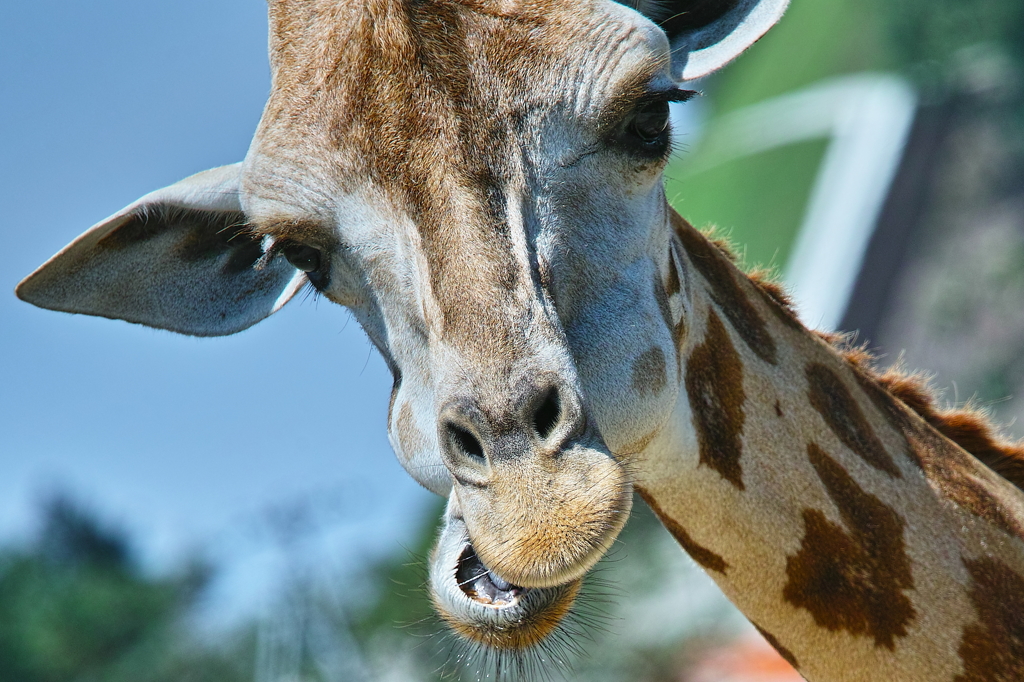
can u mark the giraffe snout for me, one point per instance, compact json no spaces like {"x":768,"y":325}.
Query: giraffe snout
{"x":540,"y":422}
{"x":540,"y":494}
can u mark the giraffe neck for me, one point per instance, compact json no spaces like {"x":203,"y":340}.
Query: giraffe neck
{"x":862,"y":543}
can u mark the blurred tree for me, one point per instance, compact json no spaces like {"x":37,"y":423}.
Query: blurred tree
{"x":923,"y":31}
{"x":75,"y":606}
{"x":952,"y":49}
{"x":954,"y":306}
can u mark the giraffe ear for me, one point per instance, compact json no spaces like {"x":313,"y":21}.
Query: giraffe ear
{"x":179,"y":258}
{"x":707,"y":34}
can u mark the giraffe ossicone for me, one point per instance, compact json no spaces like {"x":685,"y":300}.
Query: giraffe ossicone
{"x":479,"y":181}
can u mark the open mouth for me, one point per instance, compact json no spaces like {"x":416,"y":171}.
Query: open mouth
{"x":482,"y":585}
{"x":480,"y":605}
{"x":483,"y":607}
{"x":476,"y":598}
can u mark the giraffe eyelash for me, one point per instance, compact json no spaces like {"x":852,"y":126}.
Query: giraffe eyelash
{"x":672,"y":95}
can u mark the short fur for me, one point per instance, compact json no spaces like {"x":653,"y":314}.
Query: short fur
{"x":968,"y":426}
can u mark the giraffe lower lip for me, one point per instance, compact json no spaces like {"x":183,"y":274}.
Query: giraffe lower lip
{"x":483,"y":586}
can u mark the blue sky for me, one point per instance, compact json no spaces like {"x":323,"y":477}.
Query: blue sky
{"x":188,"y":443}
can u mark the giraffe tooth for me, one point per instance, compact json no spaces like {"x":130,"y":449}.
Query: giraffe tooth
{"x":498,"y":582}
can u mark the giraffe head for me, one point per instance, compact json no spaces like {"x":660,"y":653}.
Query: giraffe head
{"x":479,"y":181}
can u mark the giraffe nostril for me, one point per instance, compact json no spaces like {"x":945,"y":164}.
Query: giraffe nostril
{"x":466,"y":442}
{"x":547,"y":415}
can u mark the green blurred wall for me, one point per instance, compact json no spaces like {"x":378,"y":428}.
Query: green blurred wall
{"x":758,"y":201}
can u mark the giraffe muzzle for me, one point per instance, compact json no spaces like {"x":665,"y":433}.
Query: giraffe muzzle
{"x":483,"y":607}
{"x":537,"y":499}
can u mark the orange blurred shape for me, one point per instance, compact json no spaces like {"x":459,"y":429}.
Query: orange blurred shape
{"x":747,"y":659}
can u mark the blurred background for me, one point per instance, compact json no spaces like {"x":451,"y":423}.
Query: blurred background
{"x":229,"y":509}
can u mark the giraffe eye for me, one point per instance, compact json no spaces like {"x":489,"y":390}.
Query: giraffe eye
{"x":650,"y":121}
{"x":302,"y":257}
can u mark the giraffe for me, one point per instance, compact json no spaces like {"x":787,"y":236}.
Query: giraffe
{"x":866,"y":533}
{"x":479,"y":181}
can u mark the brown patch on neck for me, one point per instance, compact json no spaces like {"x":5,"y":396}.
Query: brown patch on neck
{"x":786,"y":654}
{"x":992,"y":649}
{"x":649,"y":372}
{"x":852,"y":578}
{"x":836,"y":405}
{"x":714,"y":386}
{"x":725,"y":291}
{"x":706,"y":558}
{"x":969,"y":429}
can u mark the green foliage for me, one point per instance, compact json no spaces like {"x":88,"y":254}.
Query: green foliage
{"x":812,"y":41}
{"x":953,"y":46}
{"x":759,"y":200}
{"x":935,"y":30}
{"x":75,"y":606}
{"x":400,"y":582}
